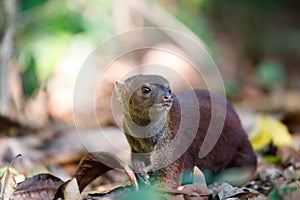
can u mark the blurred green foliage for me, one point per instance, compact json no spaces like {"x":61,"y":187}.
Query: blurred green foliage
{"x":47,"y":29}
{"x":190,"y":14}
{"x":259,"y":30}
{"x":270,"y":74}
{"x":26,"y":5}
{"x":258,"y":25}
{"x":29,"y":77}
{"x":42,"y":38}
{"x":265,"y":35}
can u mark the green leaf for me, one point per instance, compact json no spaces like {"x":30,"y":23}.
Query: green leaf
{"x":272,"y":159}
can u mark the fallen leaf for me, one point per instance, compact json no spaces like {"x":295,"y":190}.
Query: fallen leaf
{"x":290,"y":173}
{"x":225,"y":191}
{"x":270,"y":174}
{"x":96,"y":164}
{"x":263,"y":188}
{"x":8,"y":185}
{"x":117,"y":193}
{"x":189,"y":192}
{"x":38,"y":187}
{"x":68,"y":191}
{"x":289,"y":156}
{"x":267,"y":129}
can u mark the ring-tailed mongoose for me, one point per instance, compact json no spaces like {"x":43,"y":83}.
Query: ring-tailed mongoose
{"x":166,"y":130}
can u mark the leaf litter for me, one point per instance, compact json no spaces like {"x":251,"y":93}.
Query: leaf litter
{"x":277,"y":177}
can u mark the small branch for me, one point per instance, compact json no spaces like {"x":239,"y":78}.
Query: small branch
{"x":10,"y":8}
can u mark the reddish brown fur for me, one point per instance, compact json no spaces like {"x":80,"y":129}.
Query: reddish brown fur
{"x":232,"y":149}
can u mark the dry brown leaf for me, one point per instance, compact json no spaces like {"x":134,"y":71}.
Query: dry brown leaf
{"x":224,"y":191}
{"x":96,"y":164}
{"x":289,"y":156}
{"x":69,"y":191}
{"x":188,"y":192}
{"x":116,"y":193}
{"x":39,"y":187}
{"x":8,"y":185}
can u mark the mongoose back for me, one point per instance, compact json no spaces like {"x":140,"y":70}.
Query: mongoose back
{"x":153,"y":116}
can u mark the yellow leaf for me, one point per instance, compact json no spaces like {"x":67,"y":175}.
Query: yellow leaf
{"x":267,"y":129}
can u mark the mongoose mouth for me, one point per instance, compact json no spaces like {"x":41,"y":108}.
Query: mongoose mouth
{"x":161,"y":106}
{"x":167,"y":104}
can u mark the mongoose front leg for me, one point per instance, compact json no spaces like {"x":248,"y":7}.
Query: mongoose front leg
{"x":142,"y":173}
{"x":166,"y":169}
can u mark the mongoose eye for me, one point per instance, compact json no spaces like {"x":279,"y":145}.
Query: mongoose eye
{"x":146,"y":90}
{"x":169,"y":90}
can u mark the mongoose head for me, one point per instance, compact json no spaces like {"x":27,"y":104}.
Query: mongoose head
{"x":143,"y":95}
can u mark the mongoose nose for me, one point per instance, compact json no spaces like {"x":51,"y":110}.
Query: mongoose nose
{"x":168,"y":98}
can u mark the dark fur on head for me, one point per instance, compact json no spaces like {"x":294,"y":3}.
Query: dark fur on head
{"x":144,"y":98}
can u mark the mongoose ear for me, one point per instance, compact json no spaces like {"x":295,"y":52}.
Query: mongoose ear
{"x":120,"y":88}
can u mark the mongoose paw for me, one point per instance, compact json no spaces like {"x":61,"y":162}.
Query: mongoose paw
{"x":144,"y":178}
{"x":142,"y":172}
